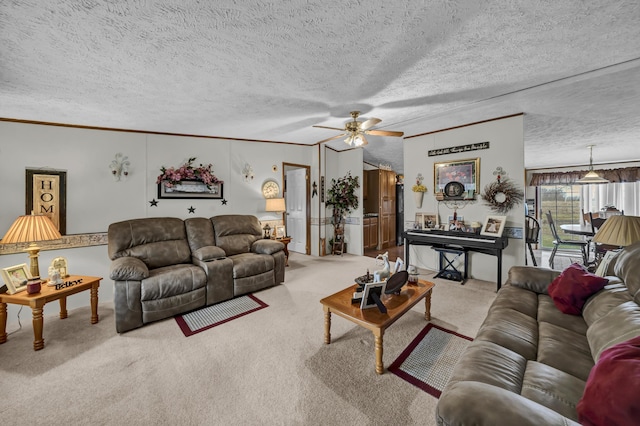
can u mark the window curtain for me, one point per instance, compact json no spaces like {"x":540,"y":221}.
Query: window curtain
{"x":623,"y":196}
{"x":627,"y":174}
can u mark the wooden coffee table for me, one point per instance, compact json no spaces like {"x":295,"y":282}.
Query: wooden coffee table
{"x":49,"y":294}
{"x":371,"y":319}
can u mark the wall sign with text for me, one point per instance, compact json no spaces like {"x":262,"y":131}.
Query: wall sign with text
{"x":47,"y":194}
{"x":459,"y":148}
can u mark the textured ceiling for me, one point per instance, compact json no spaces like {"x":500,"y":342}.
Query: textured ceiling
{"x":269,"y":70}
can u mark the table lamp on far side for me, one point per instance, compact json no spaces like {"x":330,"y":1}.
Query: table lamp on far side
{"x":31,"y":229}
{"x":619,"y":231}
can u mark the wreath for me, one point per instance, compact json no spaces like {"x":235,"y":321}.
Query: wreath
{"x":502,"y":195}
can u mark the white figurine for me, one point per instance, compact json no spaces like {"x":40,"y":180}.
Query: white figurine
{"x":385,"y":272}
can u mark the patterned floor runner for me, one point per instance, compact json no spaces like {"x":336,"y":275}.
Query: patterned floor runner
{"x":211,"y":316}
{"x":429,"y":360}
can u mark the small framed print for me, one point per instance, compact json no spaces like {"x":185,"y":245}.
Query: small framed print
{"x":419,"y":221}
{"x":371,"y":289}
{"x":398,"y":266}
{"x":457,"y":224}
{"x":16,"y":277}
{"x":280,"y":232}
{"x":493,"y":226}
{"x":429,"y":220}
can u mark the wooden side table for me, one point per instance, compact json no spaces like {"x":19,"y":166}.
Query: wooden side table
{"x":285,"y":241}
{"x":49,"y":294}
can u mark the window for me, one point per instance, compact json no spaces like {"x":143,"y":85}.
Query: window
{"x":564,"y":203}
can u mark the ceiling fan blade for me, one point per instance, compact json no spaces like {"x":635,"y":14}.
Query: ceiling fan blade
{"x":369,"y":123}
{"x":332,"y":128}
{"x":384,"y":133}
{"x":332,"y":138}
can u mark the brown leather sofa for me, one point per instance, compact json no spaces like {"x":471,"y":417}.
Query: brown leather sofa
{"x":530,"y":362}
{"x":162,"y":267}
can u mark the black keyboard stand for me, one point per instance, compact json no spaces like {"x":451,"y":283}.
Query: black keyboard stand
{"x":449,"y":271}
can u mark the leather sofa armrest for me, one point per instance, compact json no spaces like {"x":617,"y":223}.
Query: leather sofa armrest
{"x":208,"y":253}
{"x":128,"y":268}
{"x":532,"y":278}
{"x":475,"y":403}
{"x":265,"y":246}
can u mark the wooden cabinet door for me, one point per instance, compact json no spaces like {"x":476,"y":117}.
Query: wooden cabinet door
{"x":387,"y":208}
{"x":366,"y":229}
{"x":373,"y":233}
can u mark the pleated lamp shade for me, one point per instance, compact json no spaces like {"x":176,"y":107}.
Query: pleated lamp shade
{"x":31,"y":228}
{"x":275,"y":205}
{"x":619,"y":231}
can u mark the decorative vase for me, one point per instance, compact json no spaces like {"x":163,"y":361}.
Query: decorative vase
{"x":419,"y":196}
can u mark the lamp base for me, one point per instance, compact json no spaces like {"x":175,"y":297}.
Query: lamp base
{"x":34,"y":267}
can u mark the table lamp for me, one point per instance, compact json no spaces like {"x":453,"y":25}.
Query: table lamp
{"x":273,"y":205}
{"x":619,"y":231}
{"x":30,"y":229}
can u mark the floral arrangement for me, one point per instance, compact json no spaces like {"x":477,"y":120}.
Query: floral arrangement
{"x":172,"y":176}
{"x":342,"y":195}
{"x":419,"y":187}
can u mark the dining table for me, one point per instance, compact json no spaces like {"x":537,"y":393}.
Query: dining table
{"x":578,"y":229}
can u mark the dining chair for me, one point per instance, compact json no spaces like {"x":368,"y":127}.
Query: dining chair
{"x":532,"y":229}
{"x":600,"y":249}
{"x":557,"y":241}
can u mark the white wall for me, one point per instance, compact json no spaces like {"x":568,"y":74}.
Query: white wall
{"x":338,"y":164}
{"x":95,"y":200}
{"x":506,"y":151}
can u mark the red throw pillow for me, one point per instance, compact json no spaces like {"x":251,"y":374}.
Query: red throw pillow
{"x":571,"y":289}
{"x":611,"y":393}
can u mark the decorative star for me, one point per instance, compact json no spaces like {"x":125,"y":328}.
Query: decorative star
{"x":224,"y":202}
{"x":192,"y":209}
{"x":154,"y":203}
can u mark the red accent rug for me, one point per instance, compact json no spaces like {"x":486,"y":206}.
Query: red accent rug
{"x":428,"y":361}
{"x":213,"y":315}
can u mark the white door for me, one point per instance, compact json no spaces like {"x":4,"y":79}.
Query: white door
{"x":296,"y":200}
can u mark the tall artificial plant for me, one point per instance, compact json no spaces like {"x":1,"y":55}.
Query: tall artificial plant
{"x":342,"y":197}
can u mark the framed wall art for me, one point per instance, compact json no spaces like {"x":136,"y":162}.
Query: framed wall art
{"x":456,"y":178}
{"x":16,"y":277}
{"x":46,"y":193}
{"x":191,"y":190}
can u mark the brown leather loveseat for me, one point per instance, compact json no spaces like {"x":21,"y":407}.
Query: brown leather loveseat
{"x":162,"y":267}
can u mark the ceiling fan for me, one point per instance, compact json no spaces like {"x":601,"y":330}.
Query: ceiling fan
{"x":355,"y":131}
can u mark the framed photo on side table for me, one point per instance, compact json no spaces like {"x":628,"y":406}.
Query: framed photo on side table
{"x":16,"y":277}
{"x":280,"y":231}
{"x":493,"y":226}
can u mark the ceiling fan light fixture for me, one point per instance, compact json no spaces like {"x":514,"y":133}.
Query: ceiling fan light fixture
{"x":591,"y":176}
{"x":355,"y":140}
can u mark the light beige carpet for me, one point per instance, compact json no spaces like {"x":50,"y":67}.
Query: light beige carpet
{"x":270,"y":367}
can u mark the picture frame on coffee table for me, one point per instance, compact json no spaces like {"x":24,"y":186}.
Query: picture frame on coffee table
{"x":370,"y":289}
